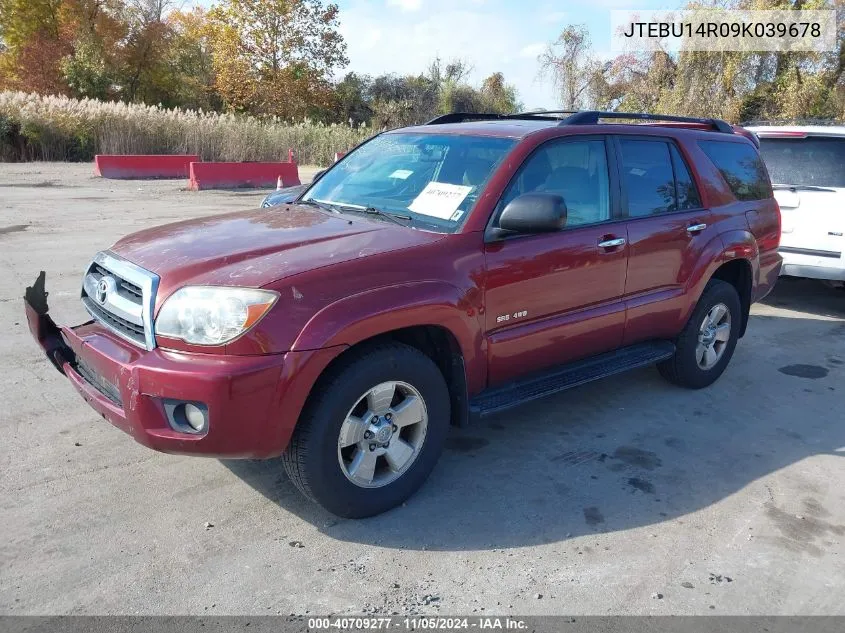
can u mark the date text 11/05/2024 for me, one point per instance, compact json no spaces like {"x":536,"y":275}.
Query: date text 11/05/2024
{"x":436,"y":623}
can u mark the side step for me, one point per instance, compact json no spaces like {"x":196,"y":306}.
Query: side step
{"x":567,"y":376}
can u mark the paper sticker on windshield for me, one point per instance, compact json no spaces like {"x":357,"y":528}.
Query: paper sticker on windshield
{"x":457,"y":215}
{"x":439,"y":199}
{"x":401,"y":173}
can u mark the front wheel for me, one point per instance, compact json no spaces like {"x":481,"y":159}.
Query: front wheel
{"x":706,"y":344}
{"x":372,"y":432}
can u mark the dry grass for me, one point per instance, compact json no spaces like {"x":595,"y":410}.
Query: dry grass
{"x":35,"y":127}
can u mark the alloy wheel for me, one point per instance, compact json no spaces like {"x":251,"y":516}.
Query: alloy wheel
{"x":713,"y":336}
{"x":382,"y":434}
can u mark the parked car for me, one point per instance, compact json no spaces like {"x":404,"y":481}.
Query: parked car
{"x":807,"y":166}
{"x":438,"y":274}
{"x":284,"y":195}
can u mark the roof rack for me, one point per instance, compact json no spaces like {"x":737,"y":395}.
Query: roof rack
{"x":582,"y":117}
{"x":460,"y":117}
{"x":535,"y":113}
{"x":591,"y":117}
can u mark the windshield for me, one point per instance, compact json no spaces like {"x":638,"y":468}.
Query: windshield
{"x":433,"y":179}
{"x":816,"y":160}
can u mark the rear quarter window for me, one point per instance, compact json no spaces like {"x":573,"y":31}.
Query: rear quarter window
{"x":741,"y":167}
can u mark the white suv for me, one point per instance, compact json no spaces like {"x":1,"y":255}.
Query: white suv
{"x":807,"y":167}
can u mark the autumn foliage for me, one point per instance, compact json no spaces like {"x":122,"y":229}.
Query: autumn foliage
{"x":268,"y":57}
{"x":264,"y":58}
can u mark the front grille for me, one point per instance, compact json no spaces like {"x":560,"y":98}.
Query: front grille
{"x":120,"y":295}
{"x":131,"y":288}
{"x":126,"y":288}
{"x":132,"y":330}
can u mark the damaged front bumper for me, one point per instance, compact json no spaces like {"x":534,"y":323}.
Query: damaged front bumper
{"x":42,"y":327}
{"x":135,"y":389}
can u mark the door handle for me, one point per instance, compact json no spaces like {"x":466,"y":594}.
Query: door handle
{"x":612,"y":243}
{"x":692,"y":229}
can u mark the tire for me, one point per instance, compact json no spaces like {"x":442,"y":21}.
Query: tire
{"x":327,"y":474}
{"x":687,"y":368}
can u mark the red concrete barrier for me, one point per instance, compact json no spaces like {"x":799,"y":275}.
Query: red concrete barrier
{"x":238,"y":175}
{"x":140,"y":166}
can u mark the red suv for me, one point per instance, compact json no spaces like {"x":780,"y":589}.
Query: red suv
{"x":434,"y":275}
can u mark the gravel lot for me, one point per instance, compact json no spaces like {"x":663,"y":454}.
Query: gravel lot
{"x":627,"y":496}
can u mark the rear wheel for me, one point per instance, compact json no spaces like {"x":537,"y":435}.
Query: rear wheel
{"x":371,"y":434}
{"x":706,"y":344}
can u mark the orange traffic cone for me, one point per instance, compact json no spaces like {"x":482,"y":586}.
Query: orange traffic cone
{"x":279,"y":183}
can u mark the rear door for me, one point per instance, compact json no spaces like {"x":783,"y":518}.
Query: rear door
{"x":551,"y":298}
{"x":667,"y":232}
{"x":808,"y":176}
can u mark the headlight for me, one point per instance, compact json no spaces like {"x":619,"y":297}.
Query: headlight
{"x":212,"y":315}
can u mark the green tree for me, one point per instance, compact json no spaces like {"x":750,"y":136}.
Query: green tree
{"x":189,"y":60}
{"x":352,"y":94}
{"x":276,"y":56}
{"x":86,"y":69}
{"x":498,"y":96}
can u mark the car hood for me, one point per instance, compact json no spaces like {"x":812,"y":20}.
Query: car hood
{"x":255,"y":248}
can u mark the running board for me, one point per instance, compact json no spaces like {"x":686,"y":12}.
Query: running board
{"x":567,"y":376}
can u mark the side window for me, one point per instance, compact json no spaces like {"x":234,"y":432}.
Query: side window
{"x":688,"y":197}
{"x":741,"y":167}
{"x":574,"y":170}
{"x":648,"y":177}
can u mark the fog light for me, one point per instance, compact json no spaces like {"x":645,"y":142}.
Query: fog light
{"x":195,"y":416}
{"x":186,"y":417}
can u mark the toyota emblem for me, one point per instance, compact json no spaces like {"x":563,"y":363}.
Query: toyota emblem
{"x":102,"y":291}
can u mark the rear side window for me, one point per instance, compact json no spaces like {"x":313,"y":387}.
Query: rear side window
{"x":688,"y":197}
{"x":741,"y":167}
{"x":648,"y":177}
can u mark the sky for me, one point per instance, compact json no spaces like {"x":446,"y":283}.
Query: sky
{"x":403,"y":36}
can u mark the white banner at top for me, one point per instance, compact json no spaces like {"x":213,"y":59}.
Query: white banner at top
{"x":723,"y":30}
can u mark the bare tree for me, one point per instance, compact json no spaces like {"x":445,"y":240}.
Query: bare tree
{"x":573,"y":66}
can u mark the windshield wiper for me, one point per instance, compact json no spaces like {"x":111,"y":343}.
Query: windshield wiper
{"x":803,"y":188}
{"x":320,"y":205}
{"x":396,"y":217}
{"x":393,"y":217}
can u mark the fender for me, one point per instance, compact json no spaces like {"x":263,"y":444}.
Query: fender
{"x":725,"y":247}
{"x":362,"y":316}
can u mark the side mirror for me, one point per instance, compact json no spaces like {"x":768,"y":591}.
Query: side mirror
{"x":318,"y":175}
{"x":533,"y":213}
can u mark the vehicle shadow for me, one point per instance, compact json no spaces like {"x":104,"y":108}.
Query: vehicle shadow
{"x":622,"y":453}
{"x":808,"y":295}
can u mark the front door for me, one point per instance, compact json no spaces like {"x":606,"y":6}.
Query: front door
{"x":556,"y":297}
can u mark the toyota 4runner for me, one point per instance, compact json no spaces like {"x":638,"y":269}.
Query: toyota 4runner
{"x":435,"y":274}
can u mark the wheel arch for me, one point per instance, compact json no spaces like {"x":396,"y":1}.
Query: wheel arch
{"x":433,"y":317}
{"x":738,"y":273}
{"x":733,"y":257}
{"x":435,"y":341}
